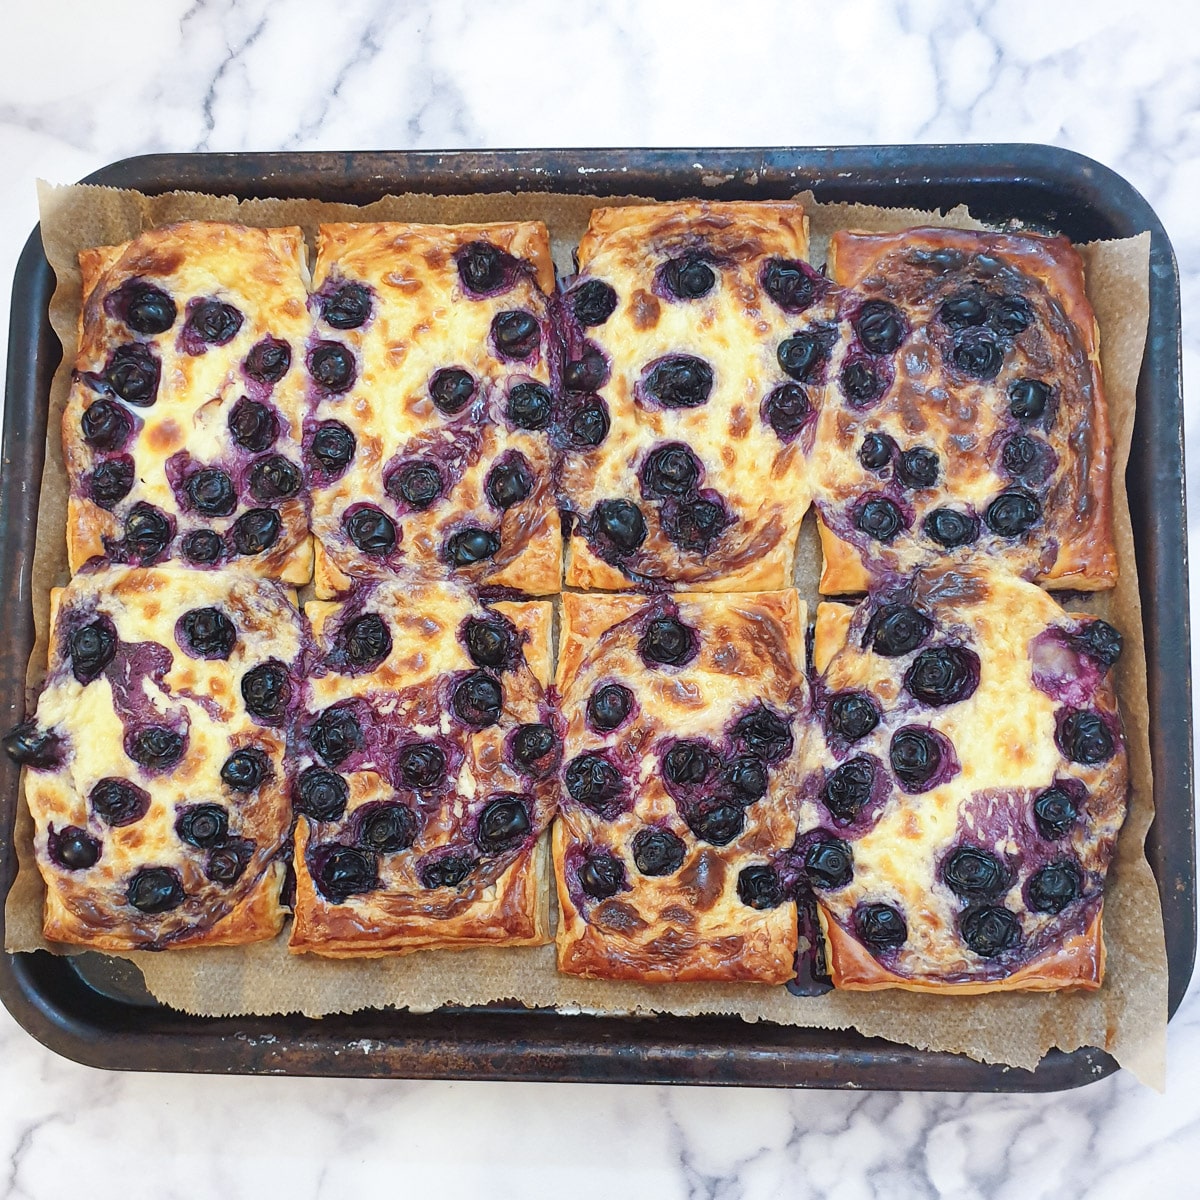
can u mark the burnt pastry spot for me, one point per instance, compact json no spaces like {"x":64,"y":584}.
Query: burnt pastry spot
{"x":950,"y":528}
{"x":530,"y":406}
{"x":897,"y":629}
{"x":989,"y":931}
{"x":448,"y":872}
{"x":763,"y":733}
{"x":851,"y":715}
{"x":256,"y":530}
{"x":602,"y":876}
{"x":275,"y":478}
{"x":371,"y":530}
{"x":587,"y":423}
{"x":1055,"y":886}
{"x":146,"y":309}
{"x":677,"y":381}
{"x":484,"y":268}
{"x":385,"y":828}
{"x":917,"y":758}
{"x":880,"y":327}
{"x":880,"y":927}
{"x":268,"y":361}
{"x":32,"y":746}
{"x":876,"y":451}
{"x":657,"y":852}
{"x":490,"y":642}
{"x":800,"y":355}
{"x":335,"y":735}
{"x":793,"y":285}
{"x":422,"y":765}
{"x":210,"y":492}
{"x":225,"y":864}
{"x":348,"y":307}
{"x":759,"y":886}
{"x":616,"y":528}
{"x":745,"y":779}
{"x":148,"y":532}
{"x":1028,"y":399}
{"x":320,"y":794}
{"x":592,"y":302}
{"x":943,"y":675}
{"x":202,"y":546}
{"x":509,"y":482}
{"x":1012,"y":513}
{"x":246,"y":770}
{"x":332,"y":367}
{"x":533,"y":747}
{"x":133,"y":373}
{"x":451,"y":390}
{"x":974,"y":874}
{"x":1055,"y":812}
{"x":332,"y":449}
{"x":918,"y":468}
{"x":202,"y":825}
{"x":688,"y":277}
{"x":209,"y":323}
{"x":470,"y":546}
{"x":667,"y":641}
{"x":1100,"y":642}
{"x":417,"y":484}
{"x":609,"y":706}
{"x":1083,"y":737}
{"x":828,"y":863}
{"x":862,"y":380}
{"x":106,"y":425}
{"x":503,"y":824}
{"x":477,"y":700}
{"x":252,"y":425}
{"x":366,"y":641}
{"x":878,"y":517}
{"x":848,"y":788}
{"x":155,"y":747}
{"x":343,"y":871}
{"x":92,"y":648}
{"x":117,"y":802}
{"x":516,"y":335}
{"x":206,"y":633}
{"x":267,"y":691}
{"x":671,"y":469}
{"x":73,"y":849}
{"x":591,"y":780}
{"x":155,"y":890}
{"x":717,"y":822}
{"x":588,"y":373}
{"x":977,"y":354}
{"x":787,"y":410}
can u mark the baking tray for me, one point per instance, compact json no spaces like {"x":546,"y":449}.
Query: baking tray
{"x":94,"y":1009}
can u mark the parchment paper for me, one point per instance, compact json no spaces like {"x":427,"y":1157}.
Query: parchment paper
{"x":1127,"y":1016}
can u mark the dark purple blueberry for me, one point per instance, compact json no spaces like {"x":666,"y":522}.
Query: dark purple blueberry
{"x":422,"y":765}
{"x":73,"y":849}
{"x":593,"y":782}
{"x":133,"y":374}
{"x":688,"y":277}
{"x":471,"y":545}
{"x":848,"y":787}
{"x":333,"y":446}
{"x":718,"y":823}
{"x":348,"y":307}
{"x":92,"y":648}
{"x":344,"y":871}
{"x":335,"y":735}
{"x":256,"y":530}
{"x":530,"y":405}
{"x":799,"y":355}
{"x":1055,"y":886}
{"x":593,"y":302}
{"x":897,"y":629}
{"x":1083,"y":737}
{"x":963,"y":310}
{"x":601,"y":876}
{"x":332,"y":366}
{"x":679,"y":381}
{"x":106,"y":425}
{"x":371,"y":530}
{"x":880,"y":926}
{"x":670,"y":470}
{"x":267,"y":691}
{"x":509,"y":482}
{"x":989,"y":931}
{"x":879,"y":518}
{"x":320,"y":794}
{"x":226,"y":863}
{"x":503,"y":824}
{"x":975,"y":874}
{"x":489,"y":641}
{"x":268,"y":361}
{"x":1055,"y":813}
{"x":976,"y":354}
{"x":588,"y":424}
{"x":478,"y":700}
{"x":759,"y":886}
{"x":417,"y":484}
{"x":746,"y":779}
{"x":1022,"y":454}
{"x":880,"y":327}
{"x":155,"y":747}
{"x":202,"y":825}
{"x":515,"y":334}
{"x":118,"y":802}
{"x":695,"y":524}
{"x":609,"y":706}
{"x":943,"y":675}
{"x":786,"y":409}
{"x":451,"y":389}
{"x":1012,"y":513}
{"x":32,"y":746}
{"x":876,"y":451}
{"x":366,"y":640}
{"x":916,"y":757}
{"x":764,"y":734}
{"x":851,"y":715}
{"x":148,"y":309}
{"x":1100,"y":642}
{"x":481,"y":267}
{"x":532,"y":743}
{"x":155,"y":890}
{"x":791,"y":284}
{"x":829,"y":864}
{"x":446,"y":872}
{"x":588,"y":373}
{"x":386,"y":828}
{"x":252,"y":425}
{"x":202,"y":546}
{"x":918,"y":468}
{"x":950,"y":528}
{"x":668,"y":642}
{"x":618,"y":525}
{"x":147,"y":532}
{"x":213,"y":321}
{"x":861,"y":382}
{"x":657,"y":852}
{"x":1028,"y":399}
{"x":207,"y":633}
{"x":689,"y":763}
{"x":210,"y":492}
{"x":274,"y":478}
{"x":245,"y":770}
{"x":1010,"y":315}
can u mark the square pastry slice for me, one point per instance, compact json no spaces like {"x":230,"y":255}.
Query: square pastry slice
{"x":696,"y":345}
{"x":182,"y":431}
{"x":966,"y":785}
{"x":430,"y":404}
{"x":426,"y":753}
{"x":156,"y":772}
{"x":968,"y":419}
{"x":684,"y":718}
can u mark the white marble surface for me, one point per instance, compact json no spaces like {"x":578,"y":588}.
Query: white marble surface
{"x":1118,"y":82}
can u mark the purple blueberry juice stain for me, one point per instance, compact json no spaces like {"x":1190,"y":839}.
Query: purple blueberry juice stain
{"x":1060,"y":672}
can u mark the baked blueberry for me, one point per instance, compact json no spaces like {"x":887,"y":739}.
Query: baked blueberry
{"x":446,"y":872}
{"x":593,"y":302}
{"x":943,"y":675}
{"x":226,"y":863}
{"x":717,"y":823}
{"x":609,"y":706}
{"x":588,"y":425}
{"x":588,"y":373}
{"x":246,"y":769}
{"x":1055,"y":813}
{"x":118,"y":802}
{"x":791,"y":284}
{"x":155,"y":747}
{"x":745,"y":779}
{"x":516,"y":334}
{"x":1022,"y":455}
{"x":503,"y":824}
{"x":471,"y":545}
{"x":989,"y":930}
{"x":92,"y":648}
{"x":759,"y":886}
{"x":591,"y":780}
{"x":530,"y":405}
{"x":274,"y":478}
{"x":679,"y":381}
{"x":386,"y":828}
{"x":267,"y":691}
{"x":344,"y":871}
{"x":509,"y":481}
{"x":763,"y":733}
{"x":950,"y":528}
{"x":670,"y":470}
{"x":851,"y":715}
{"x":481,"y":267}
{"x":371,"y":530}
{"x":1055,"y":886}
{"x":916,"y":757}
{"x":828,"y":863}
{"x":1083,"y":737}
{"x":490,"y":641}
{"x":268,"y":361}
{"x":335,"y":735}
{"x":451,"y":390}
{"x":320,"y":794}
{"x":348,"y":307}
{"x":213,"y":322}
{"x":332,"y":366}
{"x":148,"y":309}
{"x":618,"y":525}
{"x":976,"y":353}
{"x":206,"y":633}
{"x":800,"y":355}
{"x":1028,"y":399}
{"x":366,"y":640}
{"x":422,"y":765}
{"x":668,"y":642}
{"x":1100,"y":642}
{"x":71,"y":848}
{"x":148,"y":532}
{"x":1010,"y":315}
{"x":688,"y":277}
{"x":689,"y":763}
{"x":532,"y":743}
{"x":33,"y":746}
{"x":202,"y":546}
{"x":786,"y":410}
{"x":106,"y":425}
{"x":202,"y":825}
{"x":256,"y":530}
{"x":333,"y":446}
{"x":876,"y":451}
{"x":210,"y":492}
{"x":879,"y":518}
{"x":861,"y":381}
{"x":963,"y":309}
{"x":694,"y":525}
{"x":1012,"y":513}
{"x":918,"y":468}
{"x":975,"y":874}
{"x":111,"y":481}
{"x":897,"y":629}
{"x":133,"y":374}
{"x":657,"y":852}
{"x":848,"y":787}
{"x":155,"y":890}
{"x":880,"y":926}
{"x":252,"y":425}
{"x":478,"y":700}
{"x":880,"y":327}
{"x":417,"y":484}
{"x":601,"y":876}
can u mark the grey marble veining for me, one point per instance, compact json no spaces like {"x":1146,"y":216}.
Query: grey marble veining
{"x":1118,"y":83}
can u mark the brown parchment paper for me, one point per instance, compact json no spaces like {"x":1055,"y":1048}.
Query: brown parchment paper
{"x":1127,"y":1016}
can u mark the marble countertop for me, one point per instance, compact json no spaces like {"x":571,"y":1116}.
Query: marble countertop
{"x":181,"y":75}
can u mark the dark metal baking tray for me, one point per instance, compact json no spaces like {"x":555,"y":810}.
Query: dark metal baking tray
{"x":93,"y":1009}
